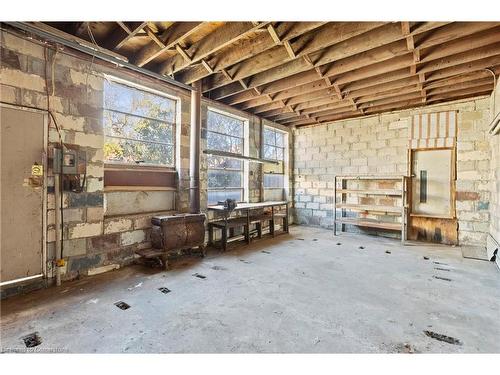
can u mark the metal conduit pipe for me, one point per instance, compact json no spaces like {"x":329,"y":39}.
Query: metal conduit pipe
{"x":194,"y":149}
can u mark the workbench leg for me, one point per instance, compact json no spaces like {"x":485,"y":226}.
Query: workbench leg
{"x":164,"y":260}
{"x":247,"y":232}
{"x":285,"y":220}
{"x":210,"y":235}
{"x":224,"y":239}
{"x":271,"y":224}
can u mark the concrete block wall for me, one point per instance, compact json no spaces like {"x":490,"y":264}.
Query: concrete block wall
{"x":379,"y":145}
{"x":97,"y":238}
{"x":495,"y":170}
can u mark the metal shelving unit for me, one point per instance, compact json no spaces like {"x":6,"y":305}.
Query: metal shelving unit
{"x":344,"y":191}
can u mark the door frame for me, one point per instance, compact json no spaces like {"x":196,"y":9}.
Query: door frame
{"x":44,"y":256}
{"x":453,"y":180}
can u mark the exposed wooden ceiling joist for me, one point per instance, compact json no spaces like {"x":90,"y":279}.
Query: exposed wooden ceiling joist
{"x":300,"y":73}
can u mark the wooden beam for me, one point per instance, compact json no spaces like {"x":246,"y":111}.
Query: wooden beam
{"x":438,"y":36}
{"x":170,"y":37}
{"x":207,"y":67}
{"x":220,"y":38}
{"x":123,"y":33}
{"x":274,"y":34}
{"x":289,"y":49}
{"x":150,"y":33}
{"x":183,"y":54}
{"x":246,"y":48}
{"x":305,"y":44}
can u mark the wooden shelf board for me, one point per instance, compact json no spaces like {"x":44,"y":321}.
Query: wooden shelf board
{"x":371,"y":192}
{"x":368,"y":223}
{"x":366,"y":207}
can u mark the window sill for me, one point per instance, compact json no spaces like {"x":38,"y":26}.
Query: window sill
{"x":108,"y":189}
{"x":131,"y":167}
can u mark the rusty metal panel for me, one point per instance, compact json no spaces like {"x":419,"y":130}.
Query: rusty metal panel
{"x":22,"y":145}
{"x":179,"y":231}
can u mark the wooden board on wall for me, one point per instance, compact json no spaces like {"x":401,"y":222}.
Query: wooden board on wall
{"x":436,"y":230}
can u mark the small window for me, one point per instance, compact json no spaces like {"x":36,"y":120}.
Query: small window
{"x":225,"y":174}
{"x":139,"y":126}
{"x":274,"y":148}
{"x":274,"y":144}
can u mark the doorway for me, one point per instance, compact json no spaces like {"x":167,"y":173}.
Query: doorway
{"x":23,"y":195}
{"x":432,"y":215}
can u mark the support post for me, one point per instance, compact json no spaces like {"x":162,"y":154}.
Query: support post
{"x":194,"y":156}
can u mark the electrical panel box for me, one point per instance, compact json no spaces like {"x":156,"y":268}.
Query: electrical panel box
{"x":70,"y":162}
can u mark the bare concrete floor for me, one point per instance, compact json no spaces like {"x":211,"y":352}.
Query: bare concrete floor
{"x":301,"y":292}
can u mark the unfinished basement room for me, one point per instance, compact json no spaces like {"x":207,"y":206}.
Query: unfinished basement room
{"x":250,"y":186}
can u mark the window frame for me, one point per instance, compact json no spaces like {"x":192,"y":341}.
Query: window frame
{"x":283,"y":161}
{"x":244,"y":152}
{"x":173,"y":124}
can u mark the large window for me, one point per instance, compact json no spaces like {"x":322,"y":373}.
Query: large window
{"x":139,"y":126}
{"x":225,"y":174}
{"x":274,"y":148}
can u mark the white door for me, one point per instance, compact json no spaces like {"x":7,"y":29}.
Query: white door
{"x":432,"y":183}
{"x":21,"y":208}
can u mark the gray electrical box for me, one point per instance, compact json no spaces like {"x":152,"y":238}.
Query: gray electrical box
{"x":73,"y":161}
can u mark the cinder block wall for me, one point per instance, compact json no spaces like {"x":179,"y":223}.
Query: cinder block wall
{"x":379,"y":145}
{"x":93,"y":240}
{"x":495,"y":171}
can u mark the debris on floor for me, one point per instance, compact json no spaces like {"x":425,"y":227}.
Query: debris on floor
{"x":200,"y":276}
{"x":388,"y":252}
{"x":265,"y":252}
{"x":122,"y":305}
{"x":245,"y":261}
{"x":442,"y":269}
{"x":361,"y":247}
{"x":135,"y":286}
{"x":441,"y":278}
{"x":426,"y":258}
{"x":405,"y":348}
{"x":442,"y":264}
{"x":218,"y":268}
{"x":444,"y":338}
{"x":32,"y":340}
{"x":339,"y":243}
{"x":164,"y":290}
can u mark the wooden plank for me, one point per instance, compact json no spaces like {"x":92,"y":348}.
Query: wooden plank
{"x":246,"y":48}
{"x":488,"y":34}
{"x":220,"y":38}
{"x":370,"y":223}
{"x":391,"y":192}
{"x":327,"y":35}
{"x":170,"y":37}
{"x":120,"y":36}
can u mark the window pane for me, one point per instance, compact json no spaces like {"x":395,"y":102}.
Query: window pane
{"x":280,"y":139}
{"x":224,"y":124}
{"x":215,"y":196}
{"x":269,"y":152}
{"x":221,"y":162}
{"x":223,"y":142}
{"x":131,"y":100}
{"x":137,"y":152}
{"x":224,"y":179}
{"x":269,"y":137}
{"x":128,"y":126}
{"x":279,"y":153}
{"x":273,"y":180}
